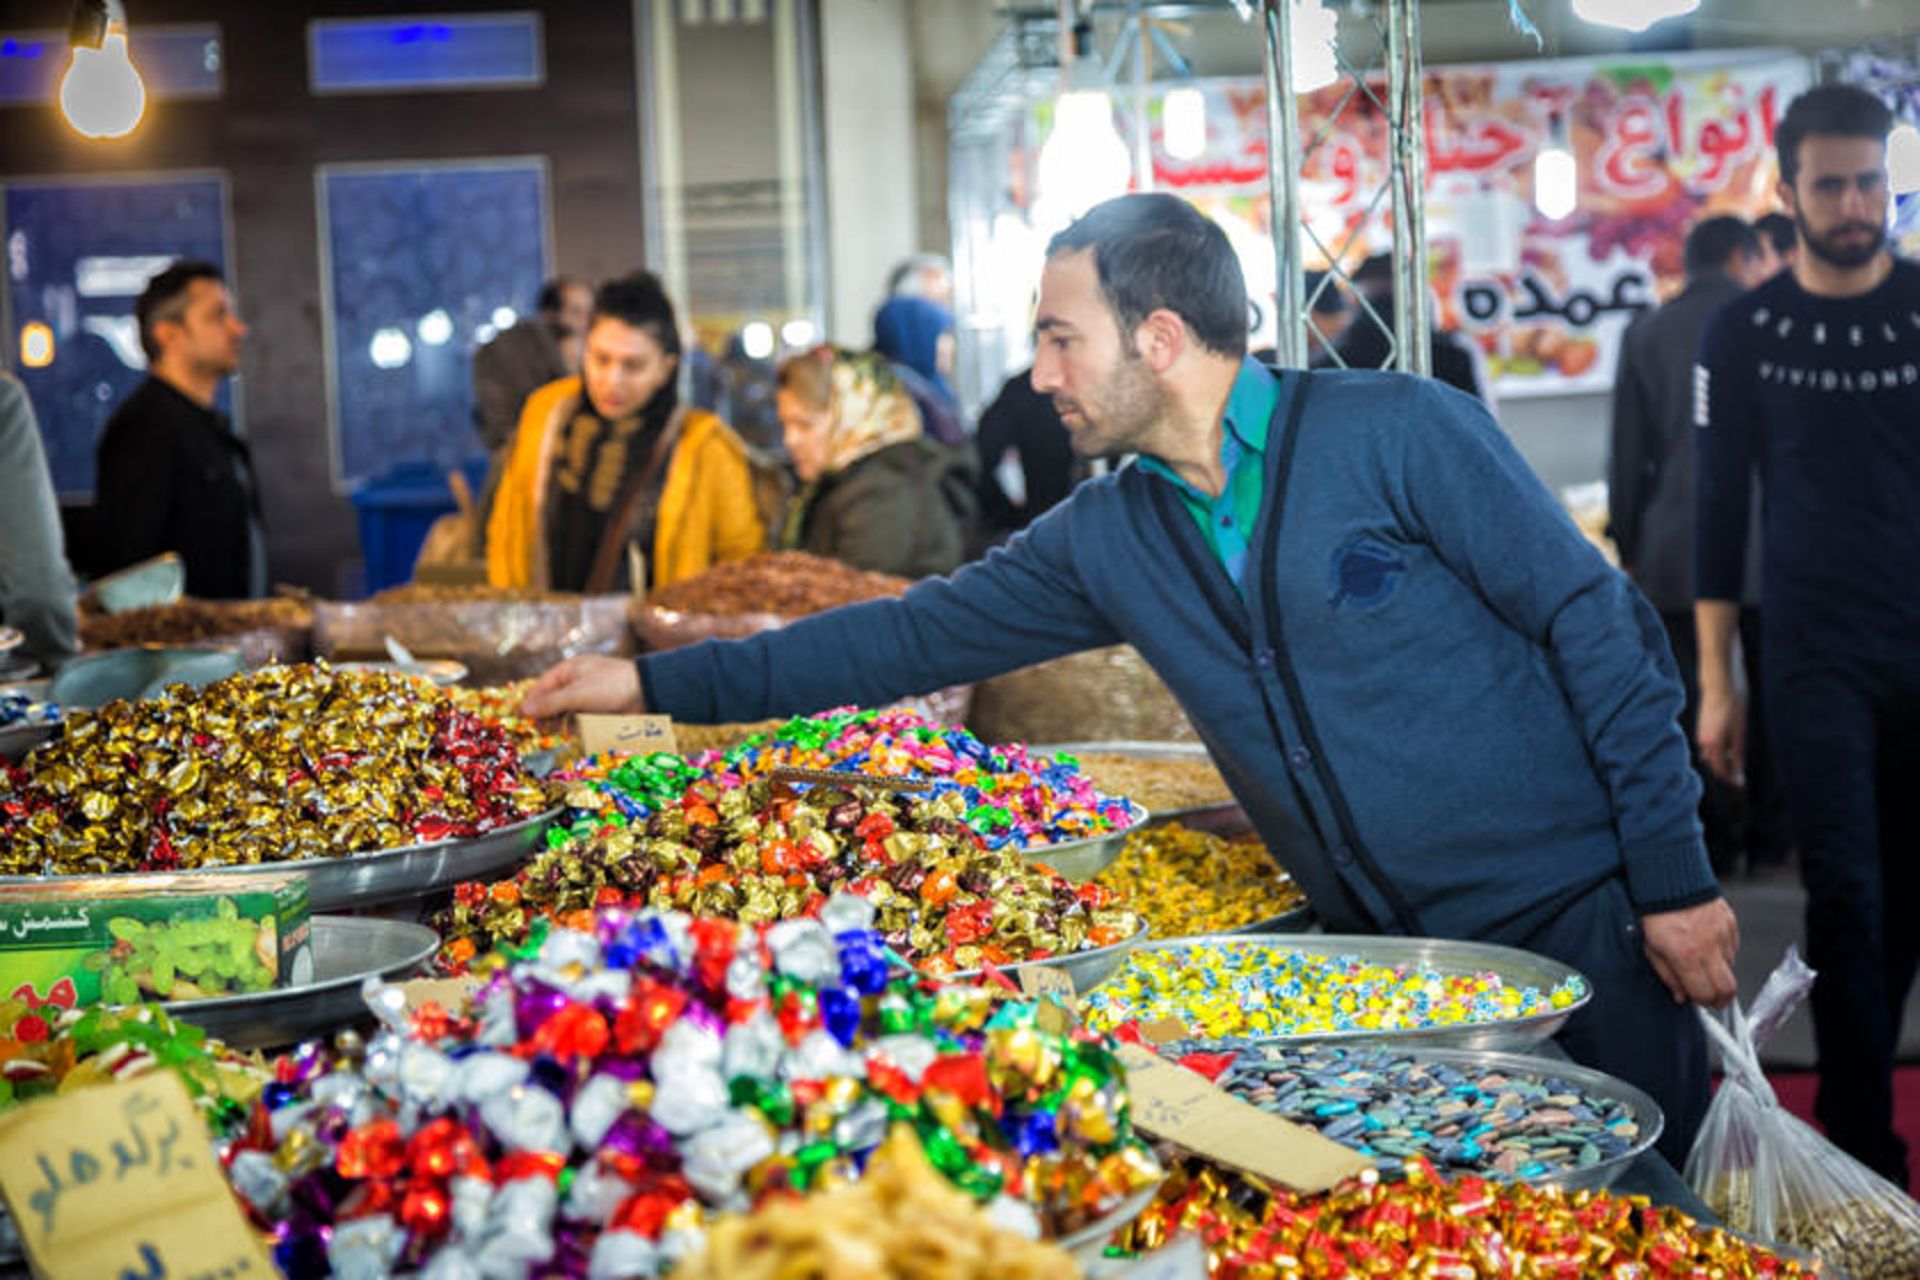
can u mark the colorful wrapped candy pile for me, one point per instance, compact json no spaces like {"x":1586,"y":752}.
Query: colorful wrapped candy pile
{"x":1010,"y":796}
{"x":1252,"y":990}
{"x":610,"y":1091}
{"x":50,"y":1047}
{"x":280,"y":763}
{"x":762,"y":852}
{"x":1189,"y":882}
{"x":1465,"y":1229}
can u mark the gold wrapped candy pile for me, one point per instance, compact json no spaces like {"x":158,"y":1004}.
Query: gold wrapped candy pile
{"x":1190,"y":882}
{"x":277,"y":764}
{"x":901,"y":1221}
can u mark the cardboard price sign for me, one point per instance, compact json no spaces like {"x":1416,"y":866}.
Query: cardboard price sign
{"x":628,"y":735}
{"x":449,"y":993}
{"x":121,"y":1182}
{"x":1184,"y":1107}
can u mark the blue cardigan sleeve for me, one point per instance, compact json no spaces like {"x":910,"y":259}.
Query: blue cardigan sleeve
{"x":1023,"y":604}
{"x":1459,"y":483}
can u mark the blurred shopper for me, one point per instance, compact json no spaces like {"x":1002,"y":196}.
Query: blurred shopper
{"x":1366,"y":345}
{"x":1779,"y":244}
{"x":37,"y":595}
{"x":1024,"y":423}
{"x":1651,"y":486}
{"x":529,"y":354}
{"x":874,"y":491}
{"x":924,"y":275}
{"x":1813,"y":381}
{"x":609,"y":469}
{"x":916,"y":335}
{"x":171,"y":473}
{"x":1329,"y":315}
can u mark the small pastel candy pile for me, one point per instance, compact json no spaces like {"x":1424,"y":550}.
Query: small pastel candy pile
{"x":49,"y":1047}
{"x":609,"y":1092}
{"x":1395,"y":1106}
{"x":763,"y":852}
{"x":19,"y":709}
{"x":1424,"y":1225}
{"x":1012,"y":797}
{"x":1189,"y":882}
{"x":1253,"y":990}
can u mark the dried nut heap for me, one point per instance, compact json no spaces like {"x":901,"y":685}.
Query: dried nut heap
{"x":278,"y":764}
{"x":1190,"y":882}
{"x":603,"y":1097}
{"x":790,"y":584}
{"x":761,"y":853}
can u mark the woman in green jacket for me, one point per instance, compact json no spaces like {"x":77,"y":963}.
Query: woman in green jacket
{"x":874,"y":493}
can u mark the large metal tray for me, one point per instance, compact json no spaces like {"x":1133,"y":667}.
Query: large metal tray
{"x":1595,"y":1084}
{"x":1299,"y":920}
{"x":1089,"y":1243}
{"x":347,"y":950}
{"x":1448,"y":957}
{"x":95,"y":679}
{"x":1088,"y":969}
{"x":16,"y":740}
{"x":1224,"y":818}
{"x":1081,"y":860}
{"x":361,"y":880}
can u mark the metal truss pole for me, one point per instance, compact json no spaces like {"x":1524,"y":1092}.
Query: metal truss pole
{"x":1407,"y":144}
{"x":1283,"y":186}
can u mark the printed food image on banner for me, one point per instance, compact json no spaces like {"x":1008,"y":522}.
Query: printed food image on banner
{"x":1657,"y":143}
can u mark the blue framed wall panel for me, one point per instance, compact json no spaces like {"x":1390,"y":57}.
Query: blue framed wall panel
{"x":436,"y":51}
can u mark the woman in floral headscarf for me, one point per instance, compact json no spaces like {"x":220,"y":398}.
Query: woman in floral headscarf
{"x":875,"y":493}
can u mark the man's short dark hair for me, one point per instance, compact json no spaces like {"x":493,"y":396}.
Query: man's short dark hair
{"x":553,"y":294}
{"x":1154,"y":251}
{"x":640,"y":300}
{"x":165,"y":298}
{"x":1714,"y":242}
{"x":1777,"y":228}
{"x":1834,"y":110}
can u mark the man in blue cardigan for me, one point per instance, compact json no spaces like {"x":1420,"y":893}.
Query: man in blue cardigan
{"x":1425,"y":687}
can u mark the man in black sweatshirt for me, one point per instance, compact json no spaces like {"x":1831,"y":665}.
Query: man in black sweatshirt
{"x":1814,"y":379}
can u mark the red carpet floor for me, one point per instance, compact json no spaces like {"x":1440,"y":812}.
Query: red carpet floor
{"x":1796,"y":1090}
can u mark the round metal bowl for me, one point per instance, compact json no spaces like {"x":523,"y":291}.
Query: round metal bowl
{"x":1595,"y":1084}
{"x":1450,"y":958}
{"x":18,"y":739}
{"x":1299,"y":920}
{"x":1089,"y":1243}
{"x":347,"y":950}
{"x":362,"y":880}
{"x":11,"y":638}
{"x":1088,"y":969}
{"x":95,"y":679}
{"x":1080,"y":860}
{"x":1224,"y":817}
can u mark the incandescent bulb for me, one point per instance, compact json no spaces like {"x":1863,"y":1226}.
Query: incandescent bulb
{"x":102,"y":96}
{"x":1631,"y":15}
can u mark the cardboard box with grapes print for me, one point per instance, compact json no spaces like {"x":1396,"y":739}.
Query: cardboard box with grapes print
{"x":128,"y":939}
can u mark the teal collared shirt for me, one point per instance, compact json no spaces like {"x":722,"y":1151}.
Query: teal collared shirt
{"x":1226,"y":522}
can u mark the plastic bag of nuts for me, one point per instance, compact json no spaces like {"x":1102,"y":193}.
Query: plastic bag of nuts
{"x":1770,"y":1175}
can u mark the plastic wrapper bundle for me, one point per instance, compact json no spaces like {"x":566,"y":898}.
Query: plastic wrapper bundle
{"x":496,"y":640}
{"x":1770,"y":1175}
{"x":1102,"y":695}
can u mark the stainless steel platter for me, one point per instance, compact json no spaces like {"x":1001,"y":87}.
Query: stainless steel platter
{"x":1645,"y":1111}
{"x":1088,"y":969}
{"x":361,"y":880}
{"x":1084,"y":859}
{"x":347,"y":950}
{"x":95,"y":679}
{"x":1224,"y":818}
{"x":18,"y":739}
{"x":1299,"y":920}
{"x":1445,"y":956}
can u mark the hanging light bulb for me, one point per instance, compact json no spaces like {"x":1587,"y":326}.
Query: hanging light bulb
{"x":1183,"y":123}
{"x":1903,"y":159}
{"x":1314,"y":29}
{"x":1631,"y":15}
{"x":1083,"y":161}
{"x":101,"y":96}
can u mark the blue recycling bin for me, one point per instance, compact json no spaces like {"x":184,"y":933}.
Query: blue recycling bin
{"x":395,"y":512}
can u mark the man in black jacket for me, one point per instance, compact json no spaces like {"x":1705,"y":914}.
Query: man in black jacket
{"x":172,"y":475}
{"x":1651,"y":493}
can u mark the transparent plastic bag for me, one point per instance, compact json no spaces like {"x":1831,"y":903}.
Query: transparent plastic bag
{"x":1771,"y":1176}
{"x":498,"y":641}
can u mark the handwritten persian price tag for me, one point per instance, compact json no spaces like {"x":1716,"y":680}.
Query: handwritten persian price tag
{"x":627,"y":735}
{"x":120,"y":1183}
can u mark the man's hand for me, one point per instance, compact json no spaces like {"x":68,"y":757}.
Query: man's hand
{"x":588,"y":683}
{"x":1692,"y":950}
{"x":1721,"y":733}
